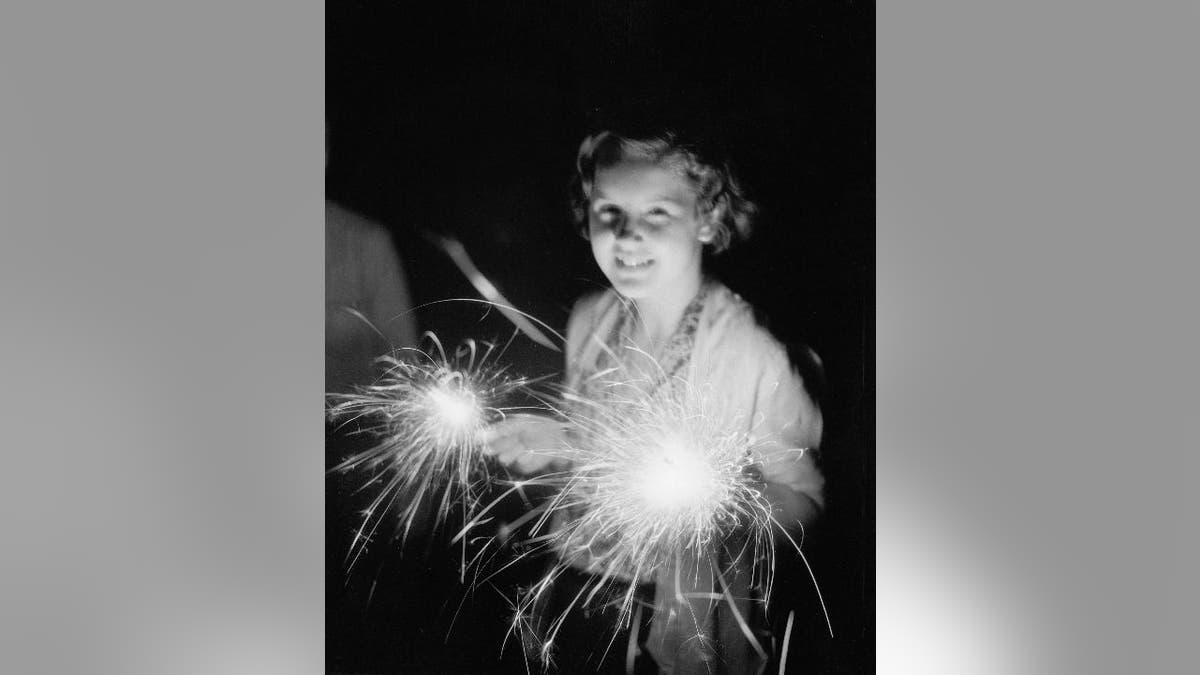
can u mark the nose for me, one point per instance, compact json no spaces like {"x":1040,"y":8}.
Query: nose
{"x":627,"y":228}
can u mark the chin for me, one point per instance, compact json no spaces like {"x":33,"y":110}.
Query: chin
{"x":633,"y":291}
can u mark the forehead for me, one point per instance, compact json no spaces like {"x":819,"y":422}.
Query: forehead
{"x":642,"y":181}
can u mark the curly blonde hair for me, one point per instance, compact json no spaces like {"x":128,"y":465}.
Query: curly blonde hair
{"x":717,"y":187}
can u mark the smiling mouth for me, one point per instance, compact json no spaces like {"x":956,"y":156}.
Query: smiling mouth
{"x":632,"y":262}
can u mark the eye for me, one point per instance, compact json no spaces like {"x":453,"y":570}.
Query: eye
{"x":608,"y":214}
{"x":658,"y":216}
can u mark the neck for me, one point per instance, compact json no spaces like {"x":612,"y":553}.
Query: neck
{"x":661,"y":314}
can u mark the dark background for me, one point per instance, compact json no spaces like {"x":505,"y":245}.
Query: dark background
{"x":466,"y":120}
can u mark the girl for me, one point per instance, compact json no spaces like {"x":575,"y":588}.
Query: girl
{"x":650,"y":204}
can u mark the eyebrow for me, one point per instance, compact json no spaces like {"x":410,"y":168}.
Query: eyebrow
{"x":597,"y":194}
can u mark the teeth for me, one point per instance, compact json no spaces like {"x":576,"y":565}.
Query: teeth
{"x":634,"y":262}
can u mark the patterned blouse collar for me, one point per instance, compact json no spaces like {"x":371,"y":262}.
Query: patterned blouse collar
{"x":676,"y":351}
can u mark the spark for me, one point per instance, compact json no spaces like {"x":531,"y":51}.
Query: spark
{"x":458,"y":254}
{"x":427,"y":412}
{"x":659,"y":474}
{"x":454,"y":414}
{"x":787,"y":640}
{"x":658,"y":477}
{"x":674,"y":478}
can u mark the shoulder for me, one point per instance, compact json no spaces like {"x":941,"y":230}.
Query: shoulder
{"x":734,"y":346}
{"x":591,"y":307}
{"x":752,"y":372}
{"x":731,"y":327}
{"x":590,"y":314}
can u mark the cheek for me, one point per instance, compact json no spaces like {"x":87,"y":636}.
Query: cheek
{"x":681,"y":241}
{"x":597,"y":230}
{"x":601,"y":242}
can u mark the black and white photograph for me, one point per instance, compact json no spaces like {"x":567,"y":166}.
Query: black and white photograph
{"x":647,"y":337}
{"x":598,"y":339}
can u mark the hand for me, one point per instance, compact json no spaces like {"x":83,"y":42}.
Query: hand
{"x":527,"y":444}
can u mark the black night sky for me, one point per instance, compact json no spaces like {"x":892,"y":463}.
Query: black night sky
{"x":465,"y":121}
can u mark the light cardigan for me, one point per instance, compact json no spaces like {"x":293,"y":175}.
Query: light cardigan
{"x":741,"y":365}
{"x":757,"y":391}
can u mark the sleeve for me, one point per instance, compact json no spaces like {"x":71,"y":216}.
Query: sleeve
{"x":787,"y":427}
{"x":765,"y":396}
{"x":581,"y":329}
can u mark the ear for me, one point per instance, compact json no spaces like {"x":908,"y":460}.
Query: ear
{"x":709,"y":228}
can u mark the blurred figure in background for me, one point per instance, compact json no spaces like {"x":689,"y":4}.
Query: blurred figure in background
{"x":362,"y":273}
{"x":368,"y":313}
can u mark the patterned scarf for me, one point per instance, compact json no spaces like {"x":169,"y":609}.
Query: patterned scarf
{"x":597,"y":386}
{"x":676,"y":351}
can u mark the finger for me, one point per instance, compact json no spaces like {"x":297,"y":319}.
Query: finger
{"x":500,"y":429}
{"x":542,"y":438}
{"x":529,"y":438}
{"x":522,"y":465}
{"x":500,"y":450}
{"x":530,"y":462}
{"x":495,"y":446}
{"x":487,"y":434}
{"x":511,"y":455}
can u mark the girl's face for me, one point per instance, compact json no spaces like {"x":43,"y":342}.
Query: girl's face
{"x":645,"y":231}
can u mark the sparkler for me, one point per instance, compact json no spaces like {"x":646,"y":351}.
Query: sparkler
{"x":524,"y":323}
{"x":428,"y":411}
{"x":659,"y":479}
{"x":657,"y":475}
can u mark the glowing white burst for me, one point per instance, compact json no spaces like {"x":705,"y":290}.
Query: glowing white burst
{"x":674,"y":477}
{"x":427,"y":411}
{"x":657,"y":476}
{"x":453,"y":412}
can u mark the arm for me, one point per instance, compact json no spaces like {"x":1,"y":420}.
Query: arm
{"x":789,"y":425}
{"x":533,"y":444}
{"x":793,"y":509}
{"x":528,"y":445}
